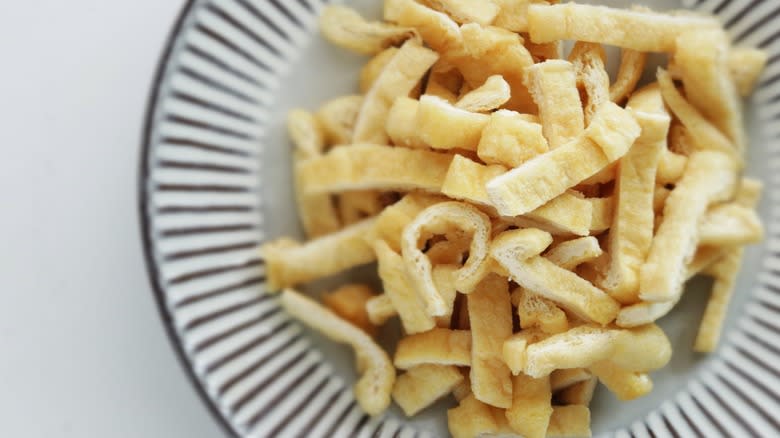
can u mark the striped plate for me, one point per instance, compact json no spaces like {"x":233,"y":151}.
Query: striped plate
{"x":215,"y":183}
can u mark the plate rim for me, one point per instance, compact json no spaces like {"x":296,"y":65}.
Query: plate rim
{"x":153,"y":277}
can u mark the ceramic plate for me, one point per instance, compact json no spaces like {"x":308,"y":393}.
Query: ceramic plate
{"x":215,"y":183}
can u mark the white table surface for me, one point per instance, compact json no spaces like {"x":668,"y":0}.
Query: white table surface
{"x":83,"y":352}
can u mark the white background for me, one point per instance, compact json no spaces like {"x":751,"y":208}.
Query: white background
{"x":83,"y":352}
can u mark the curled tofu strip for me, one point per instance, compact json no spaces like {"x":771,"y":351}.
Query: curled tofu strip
{"x":626,"y":385}
{"x":491,"y":51}
{"x":553,"y":85}
{"x":467,"y":11}
{"x":490,"y":314}
{"x":379,"y":309}
{"x":630,"y":29}
{"x":725,"y":273}
{"x":702,"y":58}
{"x":702,"y":134}
{"x":317,"y":213}
{"x":510,"y":139}
{"x":374,"y":167}
{"x":572,"y":421}
{"x":400,"y":291}
{"x":337,"y":118}
{"x":345,"y":28}
{"x":746,"y":65}
{"x":730,"y":224}
{"x":589,"y":61}
{"x":603,"y":210}
{"x":572,"y":253}
{"x":375,"y":384}
{"x":438,"y":346}
{"x":632,"y":65}
{"x":393,"y":219}
{"x":436,"y":118}
{"x":487,"y":97}
{"x":631,"y":233}
{"x":289,"y":263}
{"x":531,"y":407}
{"x":400,"y":125}
{"x":444,"y":81}
{"x":709,"y":177}
{"x":641,"y":349}
{"x":578,"y":394}
{"x":704,"y":257}
{"x":437,"y":29}
{"x":421,"y":386}
{"x":401,"y":74}
{"x":374,"y":67}
{"x":564,"y":378}
{"x":537,"y":181}
{"x":440,"y":219}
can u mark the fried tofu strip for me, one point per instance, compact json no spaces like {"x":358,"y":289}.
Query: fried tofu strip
{"x":702,"y":134}
{"x":374,"y":67}
{"x":510,"y":139}
{"x":603,"y":211}
{"x":490,"y":314}
{"x":491,"y":51}
{"x":567,"y":289}
{"x":632,"y":65}
{"x":553,"y":85}
{"x":513,"y":14}
{"x":399,"y":289}
{"x":564,"y":378}
{"x":746,"y":65}
{"x":467,"y":11}
{"x":531,"y":407}
{"x":438,"y":30}
{"x":730,"y":224}
{"x":379,"y":309}
{"x":725,"y":272}
{"x":626,"y":385}
{"x":375,"y":384}
{"x":337,"y":118}
{"x":421,"y":386}
{"x":702,"y":58}
{"x":571,"y":421}
{"x":349,"y":302}
{"x":374,"y":167}
{"x":435,"y":120}
{"x":438,"y":346}
{"x":401,"y":74}
{"x":589,"y":61}
{"x":535,"y":311}
{"x":289,"y":263}
{"x":671,"y":166}
{"x":393,"y":219}
{"x":546,"y":176}
{"x":642,"y":349}
{"x":631,"y":233}
{"x":317,"y":213}
{"x":578,"y":394}
{"x":572,"y":253}
{"x":345,"y":28}
{"x":637,"y":30}
{"x":487,"y":97}
{"x":709,"y":177}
